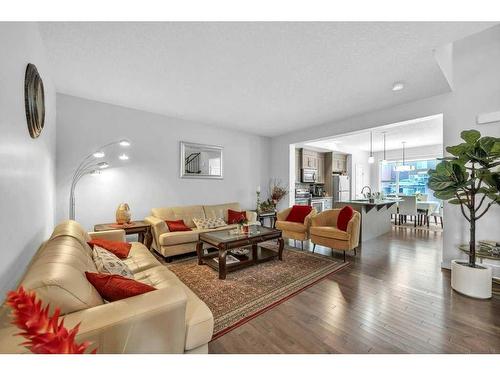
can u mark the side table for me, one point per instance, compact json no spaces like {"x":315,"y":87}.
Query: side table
{"x":261,"y":216}
{"x":141,"y":228}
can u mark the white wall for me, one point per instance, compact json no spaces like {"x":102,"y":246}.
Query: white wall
{"x":151,"y":177}
{"x":476,"y":76}
{"x":413,"y":153}
{"x":27,"y":166}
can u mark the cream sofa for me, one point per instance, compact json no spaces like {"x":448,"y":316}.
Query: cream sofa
{"x":171,"y":319}
{"x":169,"y":244}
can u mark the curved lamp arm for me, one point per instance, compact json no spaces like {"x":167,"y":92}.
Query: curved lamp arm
{"x":87,"y":166}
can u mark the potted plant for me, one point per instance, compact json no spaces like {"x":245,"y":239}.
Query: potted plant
{"x":470,"y":178}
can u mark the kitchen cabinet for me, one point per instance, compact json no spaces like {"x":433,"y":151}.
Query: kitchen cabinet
{"x":309,"y":159}
{"x":339,"y":163}
{"x":321,"y":169}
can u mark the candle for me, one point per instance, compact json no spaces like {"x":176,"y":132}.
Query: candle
{"x":258,"y":188}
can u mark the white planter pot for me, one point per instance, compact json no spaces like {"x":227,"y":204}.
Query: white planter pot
{"x":472,"y":282}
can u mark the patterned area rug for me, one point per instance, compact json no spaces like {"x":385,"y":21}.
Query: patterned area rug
{"x":251,"y":291}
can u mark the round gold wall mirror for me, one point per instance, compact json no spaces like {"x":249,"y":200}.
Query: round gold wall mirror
{"x":34,"y":101}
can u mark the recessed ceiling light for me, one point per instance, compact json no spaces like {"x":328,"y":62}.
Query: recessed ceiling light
{"x":398,"y":86}
{"x":123,"y":157}
{"x":98,"y":154}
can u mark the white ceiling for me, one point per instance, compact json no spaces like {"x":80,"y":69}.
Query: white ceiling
{"x":264,"y":78}
{"x":419,"y":132}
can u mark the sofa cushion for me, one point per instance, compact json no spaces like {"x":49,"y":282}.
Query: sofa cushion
{"x":220,"y":210}
{"x":298,"y":213}
{"x":177,"y":226}
{"x":160,"y":277}
{"x":209,"y":223}
{"x":118,"y":248}
{"x":291,"y":226}
{"x":330,"y":232}
{"x":116,"y":287}
{"x":140,"y":258}
{"x":57,"y":275}
{"x":236,"y":217}
{"x":176,"y":238}
{"x":186,"y":213}
{"x":107,"y":262}
{"x":345,"y":215}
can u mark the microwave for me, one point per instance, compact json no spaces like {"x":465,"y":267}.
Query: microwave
{"x":309,"y":175}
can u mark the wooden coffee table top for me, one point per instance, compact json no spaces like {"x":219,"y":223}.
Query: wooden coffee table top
{"x":256,"y":233}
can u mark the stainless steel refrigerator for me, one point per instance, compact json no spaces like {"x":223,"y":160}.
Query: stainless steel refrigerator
{"x":341,"y":188}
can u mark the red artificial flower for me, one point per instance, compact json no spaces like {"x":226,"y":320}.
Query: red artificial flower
{"x":44,"y":333}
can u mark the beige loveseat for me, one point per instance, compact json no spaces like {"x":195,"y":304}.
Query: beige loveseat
{"x":171,"y":319}
{"x":174,"y":243}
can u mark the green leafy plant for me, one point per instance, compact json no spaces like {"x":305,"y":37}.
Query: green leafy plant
{"x":470,"y":178}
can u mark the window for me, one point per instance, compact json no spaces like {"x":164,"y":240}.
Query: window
{"x":408,"y":182}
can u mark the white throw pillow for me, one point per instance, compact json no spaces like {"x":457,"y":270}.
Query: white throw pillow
{"x":107,"y":262}
{"x":203,"y":223}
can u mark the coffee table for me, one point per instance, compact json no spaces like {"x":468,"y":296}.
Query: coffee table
{"x":222,"y":243}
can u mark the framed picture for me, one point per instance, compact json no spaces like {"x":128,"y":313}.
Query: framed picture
{"x":201,"y":161}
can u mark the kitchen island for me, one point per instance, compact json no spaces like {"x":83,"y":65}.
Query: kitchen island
{"x":375,"y":216}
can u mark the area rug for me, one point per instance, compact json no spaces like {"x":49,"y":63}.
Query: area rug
{"x":248,"y":292}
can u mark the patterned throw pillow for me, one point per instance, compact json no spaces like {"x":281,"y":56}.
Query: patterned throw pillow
{"x":107,"y":262}
{"x":209,"y":223}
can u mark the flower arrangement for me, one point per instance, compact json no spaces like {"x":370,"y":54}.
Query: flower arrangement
{"x":44,"y":333}
{"x":277,"y":191}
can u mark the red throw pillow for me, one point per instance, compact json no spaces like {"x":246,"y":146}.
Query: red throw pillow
{"x":234,"y":217}
{"x":345,"y":215}
{"x":120,"y":249}
{"x":298,"y":213}
{"x":177,"y":226}
{"x":116,"y":287}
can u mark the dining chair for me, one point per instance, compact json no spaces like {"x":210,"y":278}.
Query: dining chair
{"x":438,"y":213}
{"x":408,"y":207}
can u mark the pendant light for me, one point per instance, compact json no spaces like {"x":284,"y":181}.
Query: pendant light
{"x":371,"y":159}
{"x":403,"y":167}
{"x":384,"y":160}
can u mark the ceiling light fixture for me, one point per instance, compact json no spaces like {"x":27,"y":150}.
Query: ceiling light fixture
{"x":398,"y":86}
{"x":123,"y":157}
{"x":103,"y":165}
{"x":403,"y":167}
{"x":371,"y":159}
{"x":124,"y":143}
{"x":99,"y":154}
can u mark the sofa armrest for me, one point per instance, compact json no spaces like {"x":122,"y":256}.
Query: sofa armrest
{"x":158,"y":227}
{"x":308,"y":218}
{"x":283,"y":214}
{"x":153,"y":322}
{"x":110,"y":235}
{"x":251,"y":216}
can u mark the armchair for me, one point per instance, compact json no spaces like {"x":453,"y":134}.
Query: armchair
{"x":324,"y":231}
{"x":292,"y":230}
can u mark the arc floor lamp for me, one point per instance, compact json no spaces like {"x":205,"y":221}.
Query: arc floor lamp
{"x":93,"y":163}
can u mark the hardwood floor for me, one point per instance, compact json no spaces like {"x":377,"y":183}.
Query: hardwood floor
{"x":393,"y":298}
